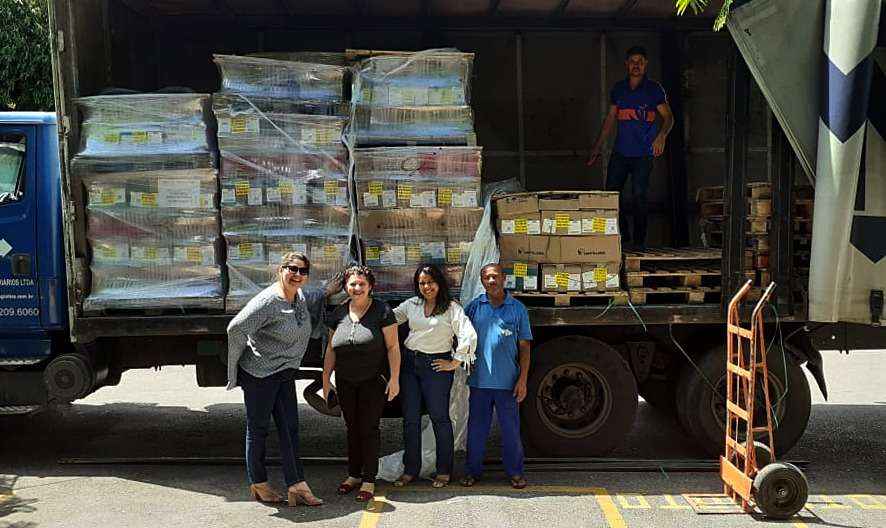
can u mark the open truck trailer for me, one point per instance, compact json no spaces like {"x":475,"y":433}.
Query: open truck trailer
{"x":541,"y":79}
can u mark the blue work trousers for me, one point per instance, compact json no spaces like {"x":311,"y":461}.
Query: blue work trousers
{"x":482,"y":402}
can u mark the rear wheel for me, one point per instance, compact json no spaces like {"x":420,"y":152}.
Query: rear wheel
{"x":702,"y":412}
{"x":582,"y":398}
{"x":780,"y":490}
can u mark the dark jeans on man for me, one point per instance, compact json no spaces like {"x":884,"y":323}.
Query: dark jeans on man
{"x":639,"y":169}
{"x":419,"y":381}
{"x":362,"y":404}
{"x":273,"y":395}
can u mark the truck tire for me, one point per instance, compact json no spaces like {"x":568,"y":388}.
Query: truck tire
{"x":69,"y":377}
{"x":703,"y":415}
{"x":581,"y":398}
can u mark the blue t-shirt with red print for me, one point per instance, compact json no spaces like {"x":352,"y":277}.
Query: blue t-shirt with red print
{"x":636,"y":111}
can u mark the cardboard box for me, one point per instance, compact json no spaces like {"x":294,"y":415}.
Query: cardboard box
{"x":561,"y":249}
{"x":561,"y":278}
{"x":598,"y":200}
{"x":558,"y":202}
{"x":576,"y":223}
{"x":521,"y":276}
{"x":600,"y":276}
{"x":514,"y":204}
{"x":520,"y":224}
{"x":410,"y":223}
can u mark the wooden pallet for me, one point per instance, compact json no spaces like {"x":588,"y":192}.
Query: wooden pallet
{"x":637,"y":260}
{"x":602,"y":299}
{"x":754,"y":225}
{"x":678,"y":295}
{"x":674,"y":275}
{"x":803,"y":208}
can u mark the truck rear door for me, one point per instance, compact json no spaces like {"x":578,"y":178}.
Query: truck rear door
{"x":19,"y":298}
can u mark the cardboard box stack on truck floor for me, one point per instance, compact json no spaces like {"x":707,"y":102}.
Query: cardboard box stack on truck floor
{"x":416,"y":203}
{"x":284,"y":169}
{"x":146,"y":164}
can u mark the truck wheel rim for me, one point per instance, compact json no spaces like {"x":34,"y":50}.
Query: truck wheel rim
{"x":574,"y":400}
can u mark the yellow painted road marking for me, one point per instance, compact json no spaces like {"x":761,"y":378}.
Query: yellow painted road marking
{"x":633,"y":501}
{"x":673,"y":505}
{"x":610,"y":511}
{"x":868,"y":502}
{"x":799,"y":524}
{"x":373,"y":511}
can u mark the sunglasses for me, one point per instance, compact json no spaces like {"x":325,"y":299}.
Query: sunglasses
{"x":297,"y":269}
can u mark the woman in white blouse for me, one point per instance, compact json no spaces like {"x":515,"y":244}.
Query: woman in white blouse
{"x":428,"y":365}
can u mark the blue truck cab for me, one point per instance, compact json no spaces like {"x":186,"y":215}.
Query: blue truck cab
{"x":33,"y":307}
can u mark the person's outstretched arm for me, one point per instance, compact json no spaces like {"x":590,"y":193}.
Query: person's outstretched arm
{"x":605,"y":132}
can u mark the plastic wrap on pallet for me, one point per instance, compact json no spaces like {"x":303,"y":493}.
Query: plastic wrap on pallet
{"x":417,"y":177}
{"x":251,"y":129}
{"x":234,"y":104}
{"x":145,"y":124}
{"x":428,"y":125}
{"x":425,"y":78}
{"x":316,"y":57}
{"x":253,"y":260}
{"x":281,"y":79}
{"x":398,"y":279}
{"x":152,"y":227}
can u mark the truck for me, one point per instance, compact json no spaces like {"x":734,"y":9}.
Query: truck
{"x":540,"y":91}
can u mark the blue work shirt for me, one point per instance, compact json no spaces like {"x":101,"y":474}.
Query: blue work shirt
{"x":636,"y":111}
{"x":499,"y":330}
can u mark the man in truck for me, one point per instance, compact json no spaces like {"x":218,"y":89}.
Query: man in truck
{"x":633,"y":103}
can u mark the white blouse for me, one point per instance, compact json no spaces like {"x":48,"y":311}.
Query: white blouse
{"x":433,"y":335}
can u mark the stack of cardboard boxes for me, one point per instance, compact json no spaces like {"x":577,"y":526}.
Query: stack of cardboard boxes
{"x":146,"y":162}
{"x":284,"y":169}
{"x":418,"y":190}
{"x":560,"y":242}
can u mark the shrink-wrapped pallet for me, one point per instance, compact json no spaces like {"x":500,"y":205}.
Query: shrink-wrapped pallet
{"x":281,"y":79}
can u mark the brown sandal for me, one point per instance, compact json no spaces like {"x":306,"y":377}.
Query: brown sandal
{"x":440,"y":481}
{"x":403,"y":480}
{"x":468,"y":481}
{"x":518,"y":482}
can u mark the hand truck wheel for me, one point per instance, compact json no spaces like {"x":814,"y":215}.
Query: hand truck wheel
{"x":780,"y":490}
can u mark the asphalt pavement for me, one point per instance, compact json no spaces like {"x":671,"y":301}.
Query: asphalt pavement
{"x":163,"y":414}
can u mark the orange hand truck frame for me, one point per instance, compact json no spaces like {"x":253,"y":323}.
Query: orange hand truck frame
{"x":751,"y":476}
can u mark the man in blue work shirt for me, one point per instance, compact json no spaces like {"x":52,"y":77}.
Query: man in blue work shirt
{"x":633,"y":103}
{"x":499,"y":376}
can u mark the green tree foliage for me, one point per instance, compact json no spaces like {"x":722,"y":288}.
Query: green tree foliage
{"x":25,"y":64}
{"x":697,"y":6}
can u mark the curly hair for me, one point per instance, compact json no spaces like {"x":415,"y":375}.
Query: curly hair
{"x":444,"y":298}
{"x":362,"y":271}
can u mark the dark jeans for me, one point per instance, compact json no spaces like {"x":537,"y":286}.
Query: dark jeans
{"x":418,"y":381}
{"x":274,"y":396}
{"x":362,"y":404}
{"x":620,"y":167}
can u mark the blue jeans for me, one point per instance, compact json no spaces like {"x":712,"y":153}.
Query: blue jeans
{"x":274,"y":396}
{"x":482,"y":402}
{"x":418,"y":381}
{"x":639,"y":169}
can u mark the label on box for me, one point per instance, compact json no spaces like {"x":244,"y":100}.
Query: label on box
{"x":574,"y":282}
{"x":434,"y":250}
{"x":228,"y":195}
{"x":394,"y":256}
{"x":561,"y":278}
{"x":533,"y":227}
{"x":444,"y":197}
{"x":389,"y":199}
{"x":509,"y":226}
{"x":413,"y":252}
{"x":241,"y":188}
{"x":149,"y":253}
{"x":331,"y":190}
{"x":299,"y":194}
{"x":184,"y":194}
{"x":255,"y":196}
{"x":111,"y":137}
{"x":107,"y":196}
{"x":600,"y":274}
{"x":510,"y":282}
{"x":331,"y":251}
{"x":469,"y":199}
{"x":246,"y":251}
{"x":373,"y":253}
{"x":237,"y":126}
{"x":520,"y":269}
{"x":376,"y":188}
{"x":139,"y":199}
{"x":423,"y":199}
{"x":207,"y":201}
{"x":530,"y":282}
{"x":600,"y":225}
{"x":561,"y":221}
{"x":110,"y":252}
{"x":575,"y":227}
{"x":273,"y":195}
{"x":404,"y":192}
{"x":551,"y":281}
{"x":370,"y":200}
{"x":547,"y":225}
{"x":521,"y":226}
{"x":203,"y":255}
{"x":453,"y":255}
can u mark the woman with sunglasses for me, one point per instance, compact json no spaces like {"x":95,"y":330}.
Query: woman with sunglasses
{"x":266,"y":342}
{"x":364,"y":352}
{"x":435,"y":320}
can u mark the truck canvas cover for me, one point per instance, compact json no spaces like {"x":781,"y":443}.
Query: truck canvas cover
{"x":821,"y":64}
